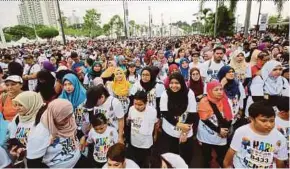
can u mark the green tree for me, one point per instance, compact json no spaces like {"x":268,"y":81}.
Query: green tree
{"x":19,"y":31}
{"x":273,"y":19}
{"x":226,"y":21}
{"x":132,"y":25}
{"x":117,"y":25}
{"x":107,"y":29}
{"x":92,"y":21}
{"x":47,"y":33}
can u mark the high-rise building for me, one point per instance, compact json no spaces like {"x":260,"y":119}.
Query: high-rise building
{"x":38,"y":12}
{"x":73,"y":19}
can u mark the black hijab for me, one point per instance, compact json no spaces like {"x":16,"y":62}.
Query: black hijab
{"x":151,"y":84}
{"x":45,"y":85}
{"x":177,"y":101}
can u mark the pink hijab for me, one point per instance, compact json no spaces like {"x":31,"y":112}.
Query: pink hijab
{"x":56,"y":112}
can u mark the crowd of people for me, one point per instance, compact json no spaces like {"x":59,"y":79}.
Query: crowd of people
{"x":144,"y":103}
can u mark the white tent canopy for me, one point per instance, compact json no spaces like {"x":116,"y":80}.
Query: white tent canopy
{"x":102,"y":37}
{"x":23,"y":40}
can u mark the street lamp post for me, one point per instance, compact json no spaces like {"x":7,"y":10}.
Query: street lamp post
{"x":216,"y":18}
{"x":247,"y":19}
{"x":60,"y":21}
{"x":237,"y":23}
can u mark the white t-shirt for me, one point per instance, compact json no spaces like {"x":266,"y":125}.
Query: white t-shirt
{"x":152,"y":95}
{"x":257,"y":87}
{"x":257,"y":151}
{"x":112,"y":109}
{"x":129,"y":164}
{"x":210,"y":69}
{"x":142,"y":126}
{"x":192,"y":65}
{"x":284,"y":128}
{"x":20,"y":131}
{"x":175,"y":160}
{"x":62,"y":153}
{"x":81,"y":116}
{"x":102,"y":142}
{"x":4,"y":160}
{"x":31,"y":83}
{"x":191,"y":108}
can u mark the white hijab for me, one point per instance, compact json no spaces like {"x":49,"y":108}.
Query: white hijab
{"x":273,"y":86}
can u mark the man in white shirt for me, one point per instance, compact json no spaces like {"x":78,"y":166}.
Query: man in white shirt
{"x":30,"y":71}
{"x":210,"y":68}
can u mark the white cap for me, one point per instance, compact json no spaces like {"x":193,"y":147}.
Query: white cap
{"x":14,"y":78}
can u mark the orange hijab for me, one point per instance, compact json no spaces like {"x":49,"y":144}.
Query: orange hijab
{"x":120,"y":87}
{"x":204,"y":109}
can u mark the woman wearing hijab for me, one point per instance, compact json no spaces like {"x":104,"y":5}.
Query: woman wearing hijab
{"x":29,"y":107}
{"x":242,"y":69}
{"x":95,"y":71}
{"x":215,"y":119}
{"x":45,"y":85}
{"x":172,"y":68}
{"x":53,"y":143}
{"x":178,"y":109}
{"x":184,"y":68}
{"x":269,"y":85}
{"x":148,"y":84}
{"x":196,"y":84}
{"x":74,"y":92}
{"x":234,"y":90}
{"x":120,"y":88}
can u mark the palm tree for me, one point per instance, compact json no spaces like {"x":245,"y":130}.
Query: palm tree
{"x":279,"y":6}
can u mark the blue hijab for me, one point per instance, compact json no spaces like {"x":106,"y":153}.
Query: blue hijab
{"x":184,"y":71}
{"x":78,"y":96}
{"x":232,"y":87}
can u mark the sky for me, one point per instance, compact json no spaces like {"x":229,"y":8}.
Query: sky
{"x":138,"y":10}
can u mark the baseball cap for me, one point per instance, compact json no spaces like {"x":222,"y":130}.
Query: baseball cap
{"x":14,"y":78}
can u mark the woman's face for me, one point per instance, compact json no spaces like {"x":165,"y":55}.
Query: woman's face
{"x":174,"y":85}
{"x":69,"y":60}
{"x":132,"y":69}
{"x":240,"y":58}
{"x":68,"y":86}
{"x":65,"y":120}
{"x":52,"y":60}
{"x":218,"y":92}
{"x":110,"y":64}
{"x":103,"y":57}
{"x":97,"y":68}
{"x":195,"y":75}
{"x":145,"y":76}
{"x":181,"y":54}
{"x":21,"y":110}
{"x":13,"y":88}
{"x":277,"y":71}
{"x":195,"y":58}
{"x":119,"y":75}
{"x":275,"y":51}
{"x":138,"y":63}
{"x":230,"y":75}
{"x":170,"y":59}
{"x":184,"y":64}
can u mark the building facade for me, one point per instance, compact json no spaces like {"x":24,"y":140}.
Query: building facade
{"x":38,"y":12}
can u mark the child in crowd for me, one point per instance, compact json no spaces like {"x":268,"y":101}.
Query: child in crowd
{"x":142,"y":119}
{"x":102,"y":136}
{"x":258,"y":144}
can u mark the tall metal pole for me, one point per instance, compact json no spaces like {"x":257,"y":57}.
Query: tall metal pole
{"x":60,"y":22}
{"x":162,"y":24}
{"x":260,"y":6}
{"x":2,"y":36}
{"x":149,"y":8}
{"x":237,"y":22}
{"x":125,"y":8}
{"x":247,"y":19}
{"x":216,"y":18}
{"x":170,"y":27}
